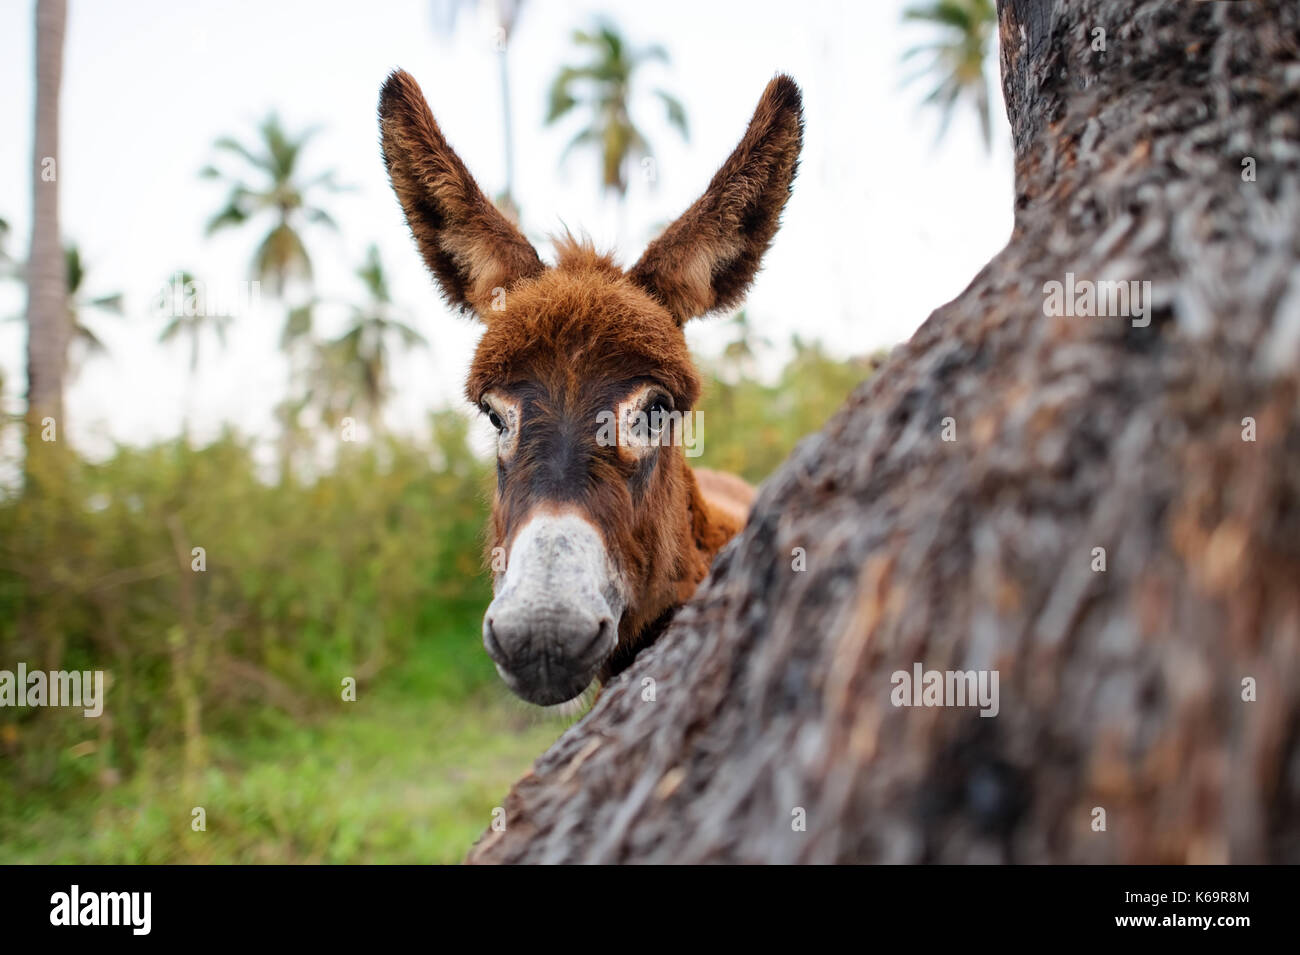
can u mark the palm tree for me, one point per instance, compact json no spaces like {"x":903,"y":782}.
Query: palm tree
{"x":604,"y":85}
{"x":280,"y":190}
{"x":194,"y":327}
{"x":81,"y":336}
{"x":507,"y":13}
{"x":353,"y":369}
{"x":958,"y":56}
{"x":47,"y":339}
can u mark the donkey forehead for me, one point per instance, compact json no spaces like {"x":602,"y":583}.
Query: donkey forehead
{"x":586,"y":327}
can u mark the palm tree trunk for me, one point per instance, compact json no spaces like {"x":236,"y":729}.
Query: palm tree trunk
{"x":1102,"y":510}
{"x":508,"y":130}
{"x":47,"y":322}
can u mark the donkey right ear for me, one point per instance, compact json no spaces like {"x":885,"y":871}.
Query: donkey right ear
{"x":706,"y":259}
{"x":471,"y":248}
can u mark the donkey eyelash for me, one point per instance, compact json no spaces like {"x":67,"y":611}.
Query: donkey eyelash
{"x":659,"y":398}
{"x":494,"y":417}
{"x":656,"y":409}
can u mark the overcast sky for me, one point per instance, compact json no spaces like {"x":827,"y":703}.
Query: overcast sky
{"x":885,"y":224}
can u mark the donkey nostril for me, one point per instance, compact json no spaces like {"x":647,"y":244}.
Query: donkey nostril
{"x":598,"y":639}
{"x":493,"y":644}
{"x":549,"y":646}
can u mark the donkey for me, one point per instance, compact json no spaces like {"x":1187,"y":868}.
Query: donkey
{"x":603,"y":539}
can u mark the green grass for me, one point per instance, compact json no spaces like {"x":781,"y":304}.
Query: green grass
{"x":402,"y":775}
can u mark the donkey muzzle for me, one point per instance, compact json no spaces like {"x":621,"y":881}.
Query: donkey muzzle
{"x":554,"y":619}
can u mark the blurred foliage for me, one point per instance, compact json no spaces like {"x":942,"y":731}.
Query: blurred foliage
{"x":304,"y":585}
{"x":750,"y":426}
{"x":352,"y":372}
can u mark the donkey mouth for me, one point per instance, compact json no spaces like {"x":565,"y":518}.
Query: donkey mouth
{"x":560,"y":663}
{"x":554,"y":619}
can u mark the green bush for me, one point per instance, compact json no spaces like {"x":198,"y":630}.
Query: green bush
{"x":751,"y":426}
{"x":304,"y":585}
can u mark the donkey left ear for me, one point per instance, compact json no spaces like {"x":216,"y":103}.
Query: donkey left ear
{"x":706,"y":260}
{"x":471,"y":248}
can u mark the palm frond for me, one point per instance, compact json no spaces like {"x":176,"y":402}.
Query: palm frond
{"x":318,"y":216}
{"x":88,"y":340}
{"x":560,"y":99}
{"x":282,"y":256}
{"x":74,"y":272}
{"x":957,"y":56}
{"x":108,"y":303}
{"x":172,"y":329}
{"x":298,"y":324}
{"x":373,"y":277}
{"x":231,"y":214}
{"x":676,"y":112}
{"x":232,"y":145}
{"x":590,"y":134}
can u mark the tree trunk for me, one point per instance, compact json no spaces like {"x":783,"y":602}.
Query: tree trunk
{"x":1159,"y":696}
{"x":47,"y":313}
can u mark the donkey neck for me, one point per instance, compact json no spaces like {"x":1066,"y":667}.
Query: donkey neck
{"x":703,"y":530}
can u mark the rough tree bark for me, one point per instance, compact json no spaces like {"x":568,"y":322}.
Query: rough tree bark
{"x":1120,"y":689}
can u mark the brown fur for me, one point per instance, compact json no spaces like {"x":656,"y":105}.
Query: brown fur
{"x":725,"y":493}
{"x":570,"y":341}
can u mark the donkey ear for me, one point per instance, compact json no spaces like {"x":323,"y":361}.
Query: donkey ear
{"x":470,"y":247}
{"x":706,"y":259}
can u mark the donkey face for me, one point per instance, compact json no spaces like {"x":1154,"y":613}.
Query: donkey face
{"x":584,"y":373}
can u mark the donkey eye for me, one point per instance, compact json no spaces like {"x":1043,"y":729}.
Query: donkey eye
{"x":495,"y":419}
{"x":657,"y":412}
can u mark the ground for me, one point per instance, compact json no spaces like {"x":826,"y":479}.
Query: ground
{"x":396,"y":777}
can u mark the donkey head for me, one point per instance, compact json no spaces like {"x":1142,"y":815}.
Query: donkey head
{"x":601,"y":537}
